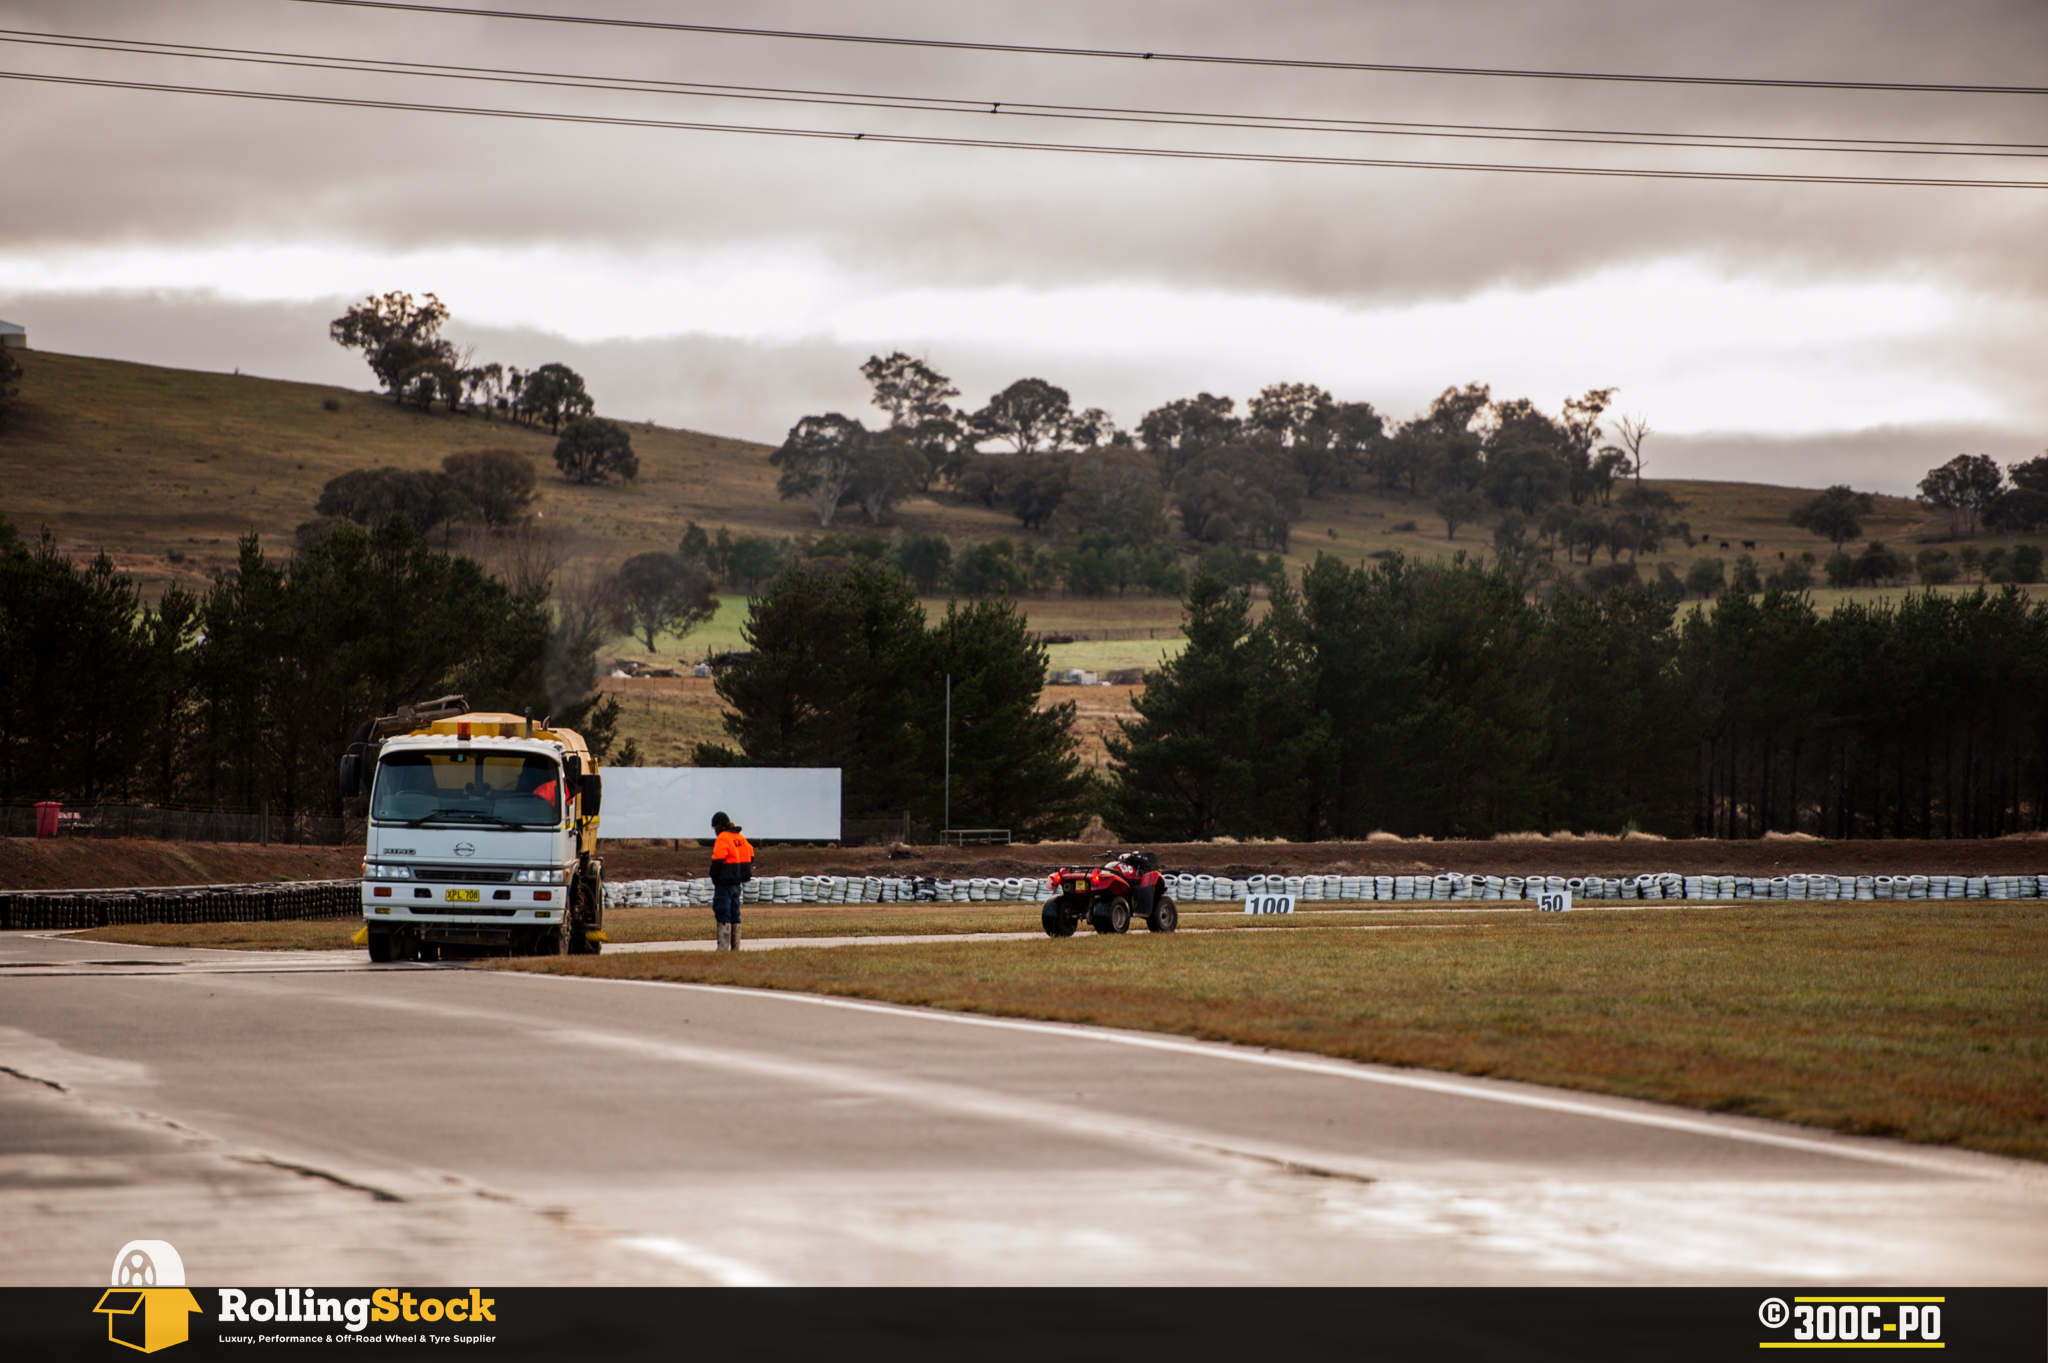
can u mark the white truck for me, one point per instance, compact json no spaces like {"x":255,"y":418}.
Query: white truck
{"x":482,"y":835}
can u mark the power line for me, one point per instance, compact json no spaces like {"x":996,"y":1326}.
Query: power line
{"x":1006,"y":144}
{"x":1206,"y":59}
{"x":1021,"y":108}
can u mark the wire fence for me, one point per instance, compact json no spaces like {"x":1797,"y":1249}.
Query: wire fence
{"x":170,"y":824}
{"x":1105,"y":636}
{"x":72,"y":909}
{"x":869,"y":832}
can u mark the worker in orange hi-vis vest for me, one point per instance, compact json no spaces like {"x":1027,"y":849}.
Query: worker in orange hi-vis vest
{"x":732,"y":865}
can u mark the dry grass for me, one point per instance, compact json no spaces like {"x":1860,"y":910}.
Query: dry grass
{"x":1925,"y":1022}
{"x":331,"y":934}
{"x":820,"y":920}
{"x":762,"y":920}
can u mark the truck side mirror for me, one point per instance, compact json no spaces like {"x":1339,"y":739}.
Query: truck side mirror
{"x":572,"y":766}
{"x":592,"y":787}
{"x":351,"y":775}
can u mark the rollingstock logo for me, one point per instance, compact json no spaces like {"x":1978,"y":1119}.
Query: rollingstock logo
{"x":1852,"y":1322}
{"x":148,"y":1307}
{"x":295,"y":1306}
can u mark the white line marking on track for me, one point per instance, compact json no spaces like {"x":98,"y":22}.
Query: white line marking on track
{"x":1957,"y":1164}
{"x":937,"y":1095}
{"x":726,"y":1272}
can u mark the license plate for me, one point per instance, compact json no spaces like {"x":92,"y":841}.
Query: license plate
{"x":464,"y":896}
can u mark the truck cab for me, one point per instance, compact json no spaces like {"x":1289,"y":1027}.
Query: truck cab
{"x":482,"y":836}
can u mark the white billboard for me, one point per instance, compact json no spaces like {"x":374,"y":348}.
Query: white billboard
{"x":798,"y":803}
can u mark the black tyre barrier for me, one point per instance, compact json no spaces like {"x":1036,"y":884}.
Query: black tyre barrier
{"x":300,"y":901}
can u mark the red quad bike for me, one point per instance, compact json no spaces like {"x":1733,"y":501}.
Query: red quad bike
{"x":1126,"y":884}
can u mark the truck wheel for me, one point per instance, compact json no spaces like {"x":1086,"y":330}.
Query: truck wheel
{"x":1056,"y":919}
{"x":1165,"y":915}
{"x":554,"y":942}
{"x":380,"y":947}
{"x":1112,"y":915}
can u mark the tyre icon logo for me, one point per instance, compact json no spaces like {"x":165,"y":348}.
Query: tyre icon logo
{"x":135,"y":1269}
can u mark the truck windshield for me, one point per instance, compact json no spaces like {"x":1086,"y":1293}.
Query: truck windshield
{"x":467,"y":785}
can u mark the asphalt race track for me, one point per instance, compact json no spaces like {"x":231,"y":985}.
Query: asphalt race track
{"x":306,"y":1118}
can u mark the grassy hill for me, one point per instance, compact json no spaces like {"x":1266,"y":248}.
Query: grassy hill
{"x":166,"y":468}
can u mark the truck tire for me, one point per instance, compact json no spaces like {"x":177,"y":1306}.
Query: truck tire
{"x":1165,"y":915}
{"x":1058,"y":922}
{"x":380,"y":947}
{"x":1111,"y":915}
{"x":553,"y":942}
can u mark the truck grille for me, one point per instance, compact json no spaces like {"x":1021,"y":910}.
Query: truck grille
{"x":464,"y":875}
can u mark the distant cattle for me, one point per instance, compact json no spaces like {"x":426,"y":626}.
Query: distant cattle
{"x":1749,"y":544}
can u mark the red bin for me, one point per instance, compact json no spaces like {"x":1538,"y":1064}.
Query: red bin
{"x":46,"y":818}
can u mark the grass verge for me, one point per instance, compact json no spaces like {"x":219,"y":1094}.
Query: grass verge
{"x":328,"y":934}
{"x":791,"y":920}
{"x":1925,"y":1022}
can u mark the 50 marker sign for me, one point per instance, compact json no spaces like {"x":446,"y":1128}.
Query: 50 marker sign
{"x":1865,"y":1322}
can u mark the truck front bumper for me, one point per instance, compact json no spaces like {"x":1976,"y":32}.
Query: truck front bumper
{"x":448,"y":913}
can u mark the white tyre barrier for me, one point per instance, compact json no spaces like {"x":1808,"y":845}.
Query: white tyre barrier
{"x":1449,"y":886}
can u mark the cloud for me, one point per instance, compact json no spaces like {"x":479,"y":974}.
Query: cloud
{"x":1132,"y":280}
{"x":756,"y":387}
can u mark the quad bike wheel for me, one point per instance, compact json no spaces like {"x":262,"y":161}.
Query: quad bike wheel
{"x":1111,"y":915}
{"x":1165,"y":915}
{"x":1058,"y":922}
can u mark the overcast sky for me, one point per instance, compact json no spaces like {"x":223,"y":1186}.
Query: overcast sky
{"x":732,"y":283}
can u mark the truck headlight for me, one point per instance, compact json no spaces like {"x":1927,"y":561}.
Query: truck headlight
{"x":375,"y":871}
{"x":537,"y":877}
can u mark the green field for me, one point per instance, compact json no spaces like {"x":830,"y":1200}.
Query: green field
{"x":1924,"y":1022}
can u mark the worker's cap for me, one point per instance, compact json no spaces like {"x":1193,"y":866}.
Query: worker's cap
{"x":721,"y":821}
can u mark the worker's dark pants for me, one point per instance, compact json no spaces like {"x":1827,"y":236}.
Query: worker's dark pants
{"x":725,"y":903}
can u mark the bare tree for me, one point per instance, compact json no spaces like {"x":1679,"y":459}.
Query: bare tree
{"x":526,"y":557}
{"x":583,"y":611}
{"x":1634,"y":430}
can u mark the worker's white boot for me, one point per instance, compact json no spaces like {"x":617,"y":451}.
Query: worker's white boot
{"x":725,"y":937}
{"x":735,"y":936}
